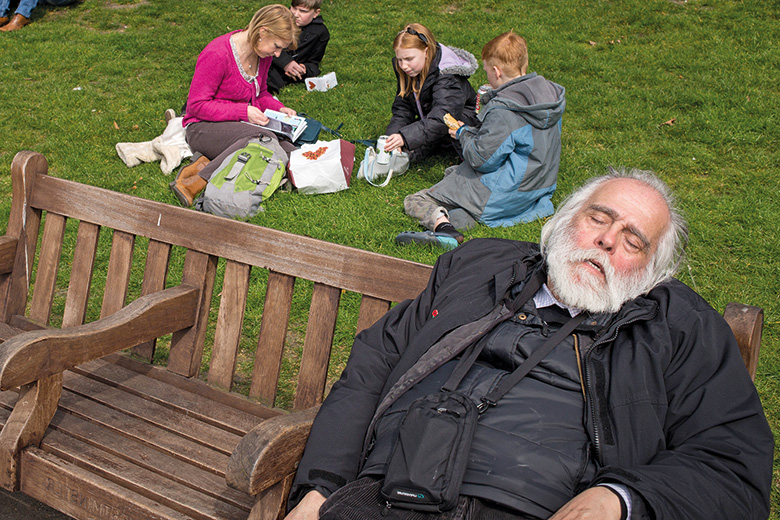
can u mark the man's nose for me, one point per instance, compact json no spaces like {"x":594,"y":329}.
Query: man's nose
{"x":608,"y":239}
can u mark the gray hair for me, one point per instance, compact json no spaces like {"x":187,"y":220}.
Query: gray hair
{"x":669,"y":254}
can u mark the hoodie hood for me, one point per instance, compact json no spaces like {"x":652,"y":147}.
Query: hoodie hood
{"x":537,"y":100}
{"x":456,"y":61}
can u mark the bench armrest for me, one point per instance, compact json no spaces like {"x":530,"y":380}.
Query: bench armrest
{"x":269,"y":452}
{"x":34,"y":355}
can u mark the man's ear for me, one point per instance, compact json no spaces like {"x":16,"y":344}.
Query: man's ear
{"x":316,"y":13}
{"x":497,"y":72}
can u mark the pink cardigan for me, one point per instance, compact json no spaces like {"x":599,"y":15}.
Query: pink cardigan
{"x":218,"y":92}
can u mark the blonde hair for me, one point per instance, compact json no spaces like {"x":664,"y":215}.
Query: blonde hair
{"x":277,"y":20}
{"x":508,"y":52}
{"x":414,"y":36}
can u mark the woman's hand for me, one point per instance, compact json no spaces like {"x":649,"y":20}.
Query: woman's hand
{"x":394,"y":142}
{"x":287,"y":111}
{"x":308,"y":508}
{"x":256,"y":116}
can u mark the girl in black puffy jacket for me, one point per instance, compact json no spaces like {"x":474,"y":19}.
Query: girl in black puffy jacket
{"x":432,"y":81}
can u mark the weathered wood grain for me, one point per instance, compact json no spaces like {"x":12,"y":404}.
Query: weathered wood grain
{"x":7,"y":253}
{"x":120,"y":266}
{"x":317,"y":345}
{"x":227,"y":335}
{"x":273,"y":332}
{"x":39,"y":354}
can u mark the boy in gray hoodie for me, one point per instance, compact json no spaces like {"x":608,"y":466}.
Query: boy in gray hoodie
{"x":511,"y":156}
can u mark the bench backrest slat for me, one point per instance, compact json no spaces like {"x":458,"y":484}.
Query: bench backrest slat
{"x":158,"y":256}
{"x":81,"y":274}
{"x":48,"y":266}
{"x":273,"y":332}
{"x":187,"y":345}
{"x":316,"y":347}
{"x":120,"y":265}
{"x":227,"y":336}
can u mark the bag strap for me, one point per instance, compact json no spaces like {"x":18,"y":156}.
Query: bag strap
{"x":470,"y":356}
{"x":390,"y":172}
{"x":364,"y":142}
{"x":473,"y":351}
{"x":506,"y":385}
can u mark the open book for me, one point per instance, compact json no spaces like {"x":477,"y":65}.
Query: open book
{"x":282,"y":124}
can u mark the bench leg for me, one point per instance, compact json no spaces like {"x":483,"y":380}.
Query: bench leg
{"x":271,"y":503}
{"x":26,"y":425}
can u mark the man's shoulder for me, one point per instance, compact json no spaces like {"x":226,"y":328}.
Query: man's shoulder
{"x":680,"y":304}
{"x":493,"y":252}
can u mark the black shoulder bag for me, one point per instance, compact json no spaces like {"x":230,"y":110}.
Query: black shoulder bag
{"x":426,"y":467}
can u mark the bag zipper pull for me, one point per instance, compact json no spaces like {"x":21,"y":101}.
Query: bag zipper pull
{"x":386,"y":510}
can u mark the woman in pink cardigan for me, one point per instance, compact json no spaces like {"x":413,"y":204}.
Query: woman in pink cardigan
{"x":228,"y":91}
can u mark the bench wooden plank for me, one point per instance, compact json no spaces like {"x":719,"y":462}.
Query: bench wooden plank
{"x":227,"y":335}
{"x":351,"y":269}
{"x":152,"y":412}
{"x":81,"y":275}
{"x":142,"y":481}
{"x":158,"y":257}
{"x":316,"y":347}
{"x":192,"y":398}
{"x":371,"y":309}
{"x":7,"y":253}
{"x":273,"y":332}
{"x":168,"y":442}
{"x":187,"y":345}
{"x":120,"y":265}
{"x":84,"y":495}
{"x":224,"y":402}
{"x":146,"y":456}
{"x":48,"y":267}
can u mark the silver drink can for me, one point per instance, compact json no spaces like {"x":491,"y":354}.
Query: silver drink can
{"x":480,"y":92}
{"x":382,"y":157}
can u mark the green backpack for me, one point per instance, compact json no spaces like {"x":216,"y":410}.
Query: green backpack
{"x":246,"y":177}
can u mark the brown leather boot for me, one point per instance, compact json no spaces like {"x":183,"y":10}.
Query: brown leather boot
{"x":17,"y":22}
{"x":187,"y":189}
{"x":197,"y":163}
{"x":3,"y":20}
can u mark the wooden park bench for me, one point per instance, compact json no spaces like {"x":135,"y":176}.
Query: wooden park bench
{"x":103,"y":434}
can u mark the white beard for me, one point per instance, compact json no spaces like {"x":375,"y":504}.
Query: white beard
{"x":575,"y":285}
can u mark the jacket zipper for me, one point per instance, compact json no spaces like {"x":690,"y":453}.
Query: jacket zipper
{"x":598,"y":344}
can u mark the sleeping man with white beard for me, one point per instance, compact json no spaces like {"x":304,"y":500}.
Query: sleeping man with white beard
{"x":639,"y":406}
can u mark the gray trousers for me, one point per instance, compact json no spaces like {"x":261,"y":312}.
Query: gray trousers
{"x":427,"y":209}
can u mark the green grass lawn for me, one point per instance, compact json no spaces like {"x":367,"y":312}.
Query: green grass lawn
{"x":685,"y":88}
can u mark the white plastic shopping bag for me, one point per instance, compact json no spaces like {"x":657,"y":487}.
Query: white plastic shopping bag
{"x":322,"y":167}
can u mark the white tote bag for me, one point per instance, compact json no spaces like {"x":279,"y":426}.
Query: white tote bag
{"x":372,"y":170}
{"x":322,"y":167}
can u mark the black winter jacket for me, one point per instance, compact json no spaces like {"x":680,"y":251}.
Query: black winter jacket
{"x":446,"y":89}
{"x":311,"y":49}
{"x":673,"y":413}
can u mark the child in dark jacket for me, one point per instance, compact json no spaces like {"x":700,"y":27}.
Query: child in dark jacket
{"x":510,"y":170}
{"x":432,"y":81}
{"x":304,"y":62}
